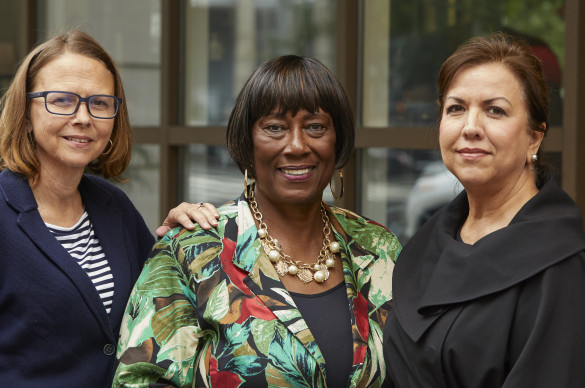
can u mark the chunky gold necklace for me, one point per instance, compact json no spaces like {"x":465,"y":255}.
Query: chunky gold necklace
{"x":285,"y":264}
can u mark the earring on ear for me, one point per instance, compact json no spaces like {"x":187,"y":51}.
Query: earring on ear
{"x":534,"y":158}
{"x":341,"y":184}
{"x":246,"y":191}
{"x":110,"y":149}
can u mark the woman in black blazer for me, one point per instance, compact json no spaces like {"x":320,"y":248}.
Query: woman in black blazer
{"x":60,"y":310}
{"x":490,"y":291}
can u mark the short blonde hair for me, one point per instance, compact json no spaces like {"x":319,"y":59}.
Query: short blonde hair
{"x":17,"y":146}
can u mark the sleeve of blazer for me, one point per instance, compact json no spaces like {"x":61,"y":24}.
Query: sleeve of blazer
{"x":548,"y":339}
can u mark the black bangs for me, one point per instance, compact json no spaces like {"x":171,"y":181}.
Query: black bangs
{"x":289,"y":87}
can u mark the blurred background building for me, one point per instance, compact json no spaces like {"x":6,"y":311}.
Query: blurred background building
{"x":184,"y":61}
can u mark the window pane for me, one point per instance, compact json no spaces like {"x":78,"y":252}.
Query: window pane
{"x":135,"y":46}
{"x":12,"y":46}
{"x":210,"y":175}
{"x":403,"y":188}
{"x":143,"y":185}
{"x":406,"y":42}
{"x":226,"y":40}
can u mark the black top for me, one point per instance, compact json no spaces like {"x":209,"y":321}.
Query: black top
{"x":328,"y":318}
{"x":507,"y":311}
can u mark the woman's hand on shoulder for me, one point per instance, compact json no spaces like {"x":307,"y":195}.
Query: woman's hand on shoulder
{"x":205,"y":214}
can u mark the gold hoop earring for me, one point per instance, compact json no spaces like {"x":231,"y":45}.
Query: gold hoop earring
{"x":111,"y":146}
{"x":246,"y":191}
{"x":331,"y":186}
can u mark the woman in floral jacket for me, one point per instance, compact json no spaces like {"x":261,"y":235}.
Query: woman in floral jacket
{"x":230,"y":307}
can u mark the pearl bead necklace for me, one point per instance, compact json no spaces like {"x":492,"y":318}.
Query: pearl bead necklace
{"x":285,"y":264}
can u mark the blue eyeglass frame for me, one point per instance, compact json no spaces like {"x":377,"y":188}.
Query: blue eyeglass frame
{"x":118,"y":101}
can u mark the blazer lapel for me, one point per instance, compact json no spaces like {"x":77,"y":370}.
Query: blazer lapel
{"x":108,"y":226}
{"x":19,"y":196}
{"x":32,"y":224}
{"x":425,"y":284}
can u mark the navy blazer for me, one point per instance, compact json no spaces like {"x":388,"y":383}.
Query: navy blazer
{"x":54,"y":329}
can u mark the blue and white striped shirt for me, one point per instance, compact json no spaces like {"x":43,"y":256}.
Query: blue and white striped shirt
{"x":80,"y":241}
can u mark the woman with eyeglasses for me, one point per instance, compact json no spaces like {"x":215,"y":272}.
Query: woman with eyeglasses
{"x":71,"y":244}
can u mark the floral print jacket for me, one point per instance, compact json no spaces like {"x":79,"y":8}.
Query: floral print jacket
{"x":209,"y":309}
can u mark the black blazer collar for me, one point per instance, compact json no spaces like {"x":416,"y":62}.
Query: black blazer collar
{"x":108,"y":226}
{"x":434,"y":270}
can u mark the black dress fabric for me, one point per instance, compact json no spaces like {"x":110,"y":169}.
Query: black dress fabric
{"x":507,"y":311}
{"x":327,"y":316}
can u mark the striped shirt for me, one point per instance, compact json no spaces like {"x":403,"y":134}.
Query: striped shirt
{"x":82,"y":244}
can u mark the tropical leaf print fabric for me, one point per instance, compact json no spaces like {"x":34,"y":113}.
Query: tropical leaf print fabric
{"x":209,"y":309}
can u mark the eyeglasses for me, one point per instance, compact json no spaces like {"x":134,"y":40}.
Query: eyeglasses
{"x":100,"y":106}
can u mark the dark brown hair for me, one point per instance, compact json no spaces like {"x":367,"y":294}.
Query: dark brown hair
{"x":289,"y":83}
{"x":516,"y":55}
{"x":17,"y":148}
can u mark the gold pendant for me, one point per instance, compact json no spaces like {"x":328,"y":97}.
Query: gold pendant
{"x":305,"y":275}
{"x":281,"y":268}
